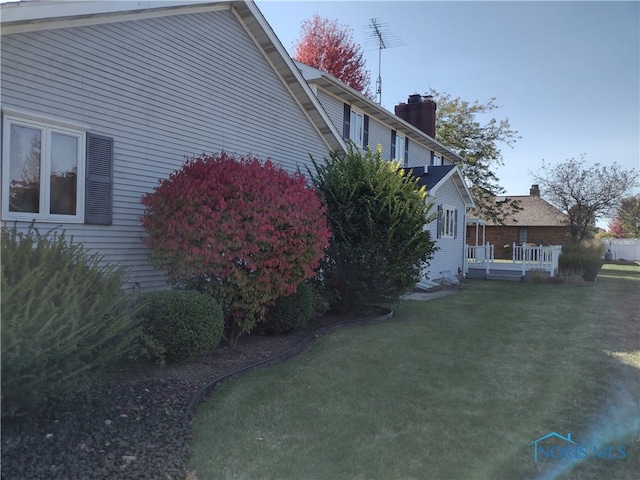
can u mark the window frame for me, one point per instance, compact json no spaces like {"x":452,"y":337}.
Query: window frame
{"x":523,"y":232}
{"x":448,"y":222}
{"x":47,"y":127}
{"x":401,"y":153}
{"x":354,"y":115}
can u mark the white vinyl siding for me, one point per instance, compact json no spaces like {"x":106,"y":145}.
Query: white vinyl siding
{"x":419,"y":155}
{"x":380,"y":134}
{"x":333,"y":107}
{"x":449,"y":255}
{"x":164,"y":89}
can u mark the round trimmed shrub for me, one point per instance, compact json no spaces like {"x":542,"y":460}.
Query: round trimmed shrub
{"x":185,"y":322}
{"x":292,"y":312}
{"x":243,"y":230}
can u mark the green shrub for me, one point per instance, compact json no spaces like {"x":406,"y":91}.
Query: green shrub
{"x":587,"y":263}
{"x":292,"y":312}
{"x":185,"y":322}
{"x":377,"y":214}
{"x":65,"y":318}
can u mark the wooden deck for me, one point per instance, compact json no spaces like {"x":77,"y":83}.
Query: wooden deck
{"x":480,"y":262}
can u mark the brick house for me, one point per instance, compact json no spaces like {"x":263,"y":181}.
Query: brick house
{"x":537,"y":223}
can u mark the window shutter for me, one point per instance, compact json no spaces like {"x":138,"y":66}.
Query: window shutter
{"x":365,"y":137}
{"x":393,"y":144}
{"x":439,"y":221}
{"x":455,"y":224}
{"x":406,"y":151}
{"x":347,"y":121}
{"x":99,"y":184}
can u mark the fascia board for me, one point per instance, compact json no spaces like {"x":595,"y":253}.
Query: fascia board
{"x":20,"y":17}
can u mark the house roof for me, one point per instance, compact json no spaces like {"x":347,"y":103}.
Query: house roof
{"x":535,"y":212}
{"x":32,"y":16}
{"x":433,"y":177}
{"x":349,"y":95}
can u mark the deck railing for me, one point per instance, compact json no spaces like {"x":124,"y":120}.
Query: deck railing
{"x":478,"y":256}
{"x":537,"y":257}
{"x":524,"y":258}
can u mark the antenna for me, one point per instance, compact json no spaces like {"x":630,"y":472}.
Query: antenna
{"x":381,"y":38}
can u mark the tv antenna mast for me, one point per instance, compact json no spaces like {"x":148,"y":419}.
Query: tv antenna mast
{"x":381,"y":38}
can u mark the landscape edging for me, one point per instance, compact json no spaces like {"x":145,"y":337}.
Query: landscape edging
{"x":208,"y":389}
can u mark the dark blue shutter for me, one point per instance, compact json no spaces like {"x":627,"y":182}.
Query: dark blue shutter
{"x":393,"y":144}
{"x":365,"y":137}
{"x":406,"y":151}
{"x":346,"y":126}
{"x":99,"y":180}
{"x":455,"y":224}
{"x":439,"y":221}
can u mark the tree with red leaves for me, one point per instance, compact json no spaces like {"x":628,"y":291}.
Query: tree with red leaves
{"x":244,"y":231}
{"x":328,"y":46}
{"x":616,"y":227}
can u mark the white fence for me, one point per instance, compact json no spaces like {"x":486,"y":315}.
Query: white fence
{"x":622,"y":248}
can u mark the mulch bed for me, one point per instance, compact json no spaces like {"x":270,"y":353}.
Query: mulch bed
{"x":135,"y":427}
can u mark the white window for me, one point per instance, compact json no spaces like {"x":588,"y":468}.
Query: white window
{"x":447,"y":222}
{"x":523,"y":235}
{"x":356,"y":128}
{"x":42,"y":171}
{"x":436,"y":161}
{"x":400,"y":149}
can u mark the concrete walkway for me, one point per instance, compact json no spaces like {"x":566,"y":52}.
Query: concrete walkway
{"x":426,"y":295}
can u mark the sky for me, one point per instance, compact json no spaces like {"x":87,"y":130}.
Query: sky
{"x":565,"y":74}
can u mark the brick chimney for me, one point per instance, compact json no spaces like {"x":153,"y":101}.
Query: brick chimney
{"x":534,"y":191}
{"x":420,"y":112}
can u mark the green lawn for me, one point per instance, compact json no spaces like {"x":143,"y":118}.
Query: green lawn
{"x":454,"y":388}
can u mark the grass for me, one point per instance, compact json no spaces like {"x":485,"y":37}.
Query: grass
{"x":454,"y":388}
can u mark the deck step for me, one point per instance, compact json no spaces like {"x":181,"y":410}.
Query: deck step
{"x":505,"y":275}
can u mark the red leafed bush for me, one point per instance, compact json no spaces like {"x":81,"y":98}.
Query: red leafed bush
{"x":245,"y":231}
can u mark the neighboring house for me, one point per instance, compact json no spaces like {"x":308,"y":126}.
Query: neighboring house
{"x":407,"y":137}
{"x":536,"y":223}
{"x":101,"y":99}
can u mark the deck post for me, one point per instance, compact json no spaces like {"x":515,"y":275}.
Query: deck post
{"x":488,"y":258}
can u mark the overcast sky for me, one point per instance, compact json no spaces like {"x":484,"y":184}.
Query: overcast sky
{"x":566,"y":74}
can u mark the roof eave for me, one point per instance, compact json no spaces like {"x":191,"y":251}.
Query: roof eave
{"x":20,"y":17}
{"x":460,"y":184}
